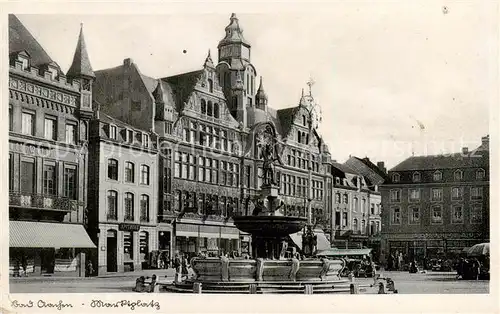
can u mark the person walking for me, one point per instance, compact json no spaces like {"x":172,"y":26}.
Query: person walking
{"x":184,"y":267}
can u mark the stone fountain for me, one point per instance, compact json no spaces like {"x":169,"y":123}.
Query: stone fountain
{"x":268,"y":271}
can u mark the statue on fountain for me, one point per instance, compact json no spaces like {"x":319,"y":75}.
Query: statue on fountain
{"x":268,"y":166}
{"x":309,"y":242}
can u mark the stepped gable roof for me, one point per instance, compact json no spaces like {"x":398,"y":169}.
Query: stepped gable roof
{"x":21,"y":39}
{"x":476,"y":159}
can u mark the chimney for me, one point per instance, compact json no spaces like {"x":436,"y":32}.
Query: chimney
{"x":465,"y":150}
{"x":381,"y":166}
{"x":128,"y":62}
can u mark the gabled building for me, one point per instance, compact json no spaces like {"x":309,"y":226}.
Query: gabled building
{"x":435,"y":206}
{"x":49,"y":114}
{"x":210,"y":124}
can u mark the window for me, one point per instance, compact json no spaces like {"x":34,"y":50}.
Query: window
{"x":457,"y":215}
{"x":355,"y":224}
{"x":144,"y":174}
{"x":395,"y":195}
{"x":129,"y":206}
{"x":49,"y":179}
{"x":396,"y":216}
{"x":209,"y":108}
{"x":457,"y":193}
{"x":130,"y":136}
{"x":372,"y":209}
{"x":128,"y":246}
{"x":356,"y":204}
{"x":414,"y":215}
{"x":476,"y":193}
{"x":346,"y":199}
{"x":476,"y":214}
{"x":145,"y":140}
{"x":480,"y":174}
{"x":303,"y":120}
{"x":112,"y":205}
{"x":50,"y":128}
{"x":129,"y":172}
{"x":436,"y":194}
{"x":203,"y":106}
{"x":185,"y":167}
{"x":70,"y":182}
{"x":112,"y":132}
{"x":414,"y":195}
{"x":416,"y":177}
{"x":396,"y":177}
{"x":113,"y":169}
{"x":144,"y":208}
{"x":216,"y":110}
{"x":247,"y":176}
{"x":11,"y":172}
{"x":437,"y":214}
{"x":71,"y":133}
{"x":363,"y":226}
{"x":24,"y":61}
{"x":344,"y":219}
{"x":168,"y":127}
{"x":11,"y":118}
{"x":28,"y":181}
{"x":210,"y":86}
{"x":458,"y":175}
{"x":437,"y":176}
{"x":28,"y":123}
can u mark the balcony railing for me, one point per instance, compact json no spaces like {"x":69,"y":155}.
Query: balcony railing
{"x":20,"y":199}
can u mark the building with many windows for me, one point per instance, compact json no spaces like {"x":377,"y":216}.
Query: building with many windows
{"x":210,"y":123}
{"x":356,"y":208}
{"x":435,"y":206}
{"x":123,"y":194}
{"x":49,"y":114}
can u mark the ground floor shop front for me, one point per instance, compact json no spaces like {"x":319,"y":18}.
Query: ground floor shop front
{"x":48,"y":249}
{"x":209,"y":238}
{"x":424,"y":247}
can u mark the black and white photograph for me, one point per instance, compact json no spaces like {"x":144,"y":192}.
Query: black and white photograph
{"x":331,"y":151}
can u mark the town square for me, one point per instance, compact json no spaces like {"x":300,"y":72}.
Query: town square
{"x":260,"y":164}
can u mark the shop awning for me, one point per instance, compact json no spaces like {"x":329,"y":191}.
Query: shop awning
{"x":322,"y":242}
{"x":24,"y":234}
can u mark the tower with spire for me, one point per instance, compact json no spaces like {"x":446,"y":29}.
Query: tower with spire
{"x":235,"y":70}
{"x":81,"y":70}
{"x":261,"y":97}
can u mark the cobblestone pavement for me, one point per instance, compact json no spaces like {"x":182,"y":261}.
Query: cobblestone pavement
{"x":405,"y":283}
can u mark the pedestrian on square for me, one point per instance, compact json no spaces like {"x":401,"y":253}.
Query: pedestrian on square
{"x":177,"y":263}
{"x":184,"y":267}
{"x":90,"y":269}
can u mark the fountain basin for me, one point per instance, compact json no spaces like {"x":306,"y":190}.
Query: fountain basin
{"x":270,"y":226}
{"x":261,"y":270}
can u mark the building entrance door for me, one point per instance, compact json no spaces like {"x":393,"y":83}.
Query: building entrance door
{"x":48,"y":258}
{"x":111,"y":247}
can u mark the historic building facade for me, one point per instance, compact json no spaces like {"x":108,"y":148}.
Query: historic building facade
{"x":356,"y":208}
{"x":123,"y":194}
{"x":208,"y":124}
{"x":435,"y":206}
{"x":49,"y":114}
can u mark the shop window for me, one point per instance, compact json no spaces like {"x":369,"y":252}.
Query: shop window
{"x":128,"y":246}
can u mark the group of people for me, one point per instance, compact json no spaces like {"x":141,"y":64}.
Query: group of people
{"x":142,"y":286}
{"x":395,"y":261}
{"x":468,"y":268}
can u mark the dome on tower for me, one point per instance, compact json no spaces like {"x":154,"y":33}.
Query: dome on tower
{"x":234,"y":33}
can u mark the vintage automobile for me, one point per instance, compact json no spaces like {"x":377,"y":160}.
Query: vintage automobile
{"x":356,"y":261}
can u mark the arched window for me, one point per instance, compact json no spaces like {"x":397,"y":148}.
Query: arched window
{"x":458,"y":175}
{"x":438,"y":175}
{"x":112,"y":205}
{"x":129,"y":206}
{"x":303,"y":120}
{"x":416,"y":177}
{"x":209,"y":109}
{"x":144,"y":208}
{"x":113,"y":169}
{"x":210,"y":86}
{"x":203,"y":106}
{"x":144,"y":174}
{"x":355,"y":224}
{"x":129,"y":172}
{"x":216,"y":110}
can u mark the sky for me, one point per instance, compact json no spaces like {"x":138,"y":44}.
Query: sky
{"x":392,"y":78}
